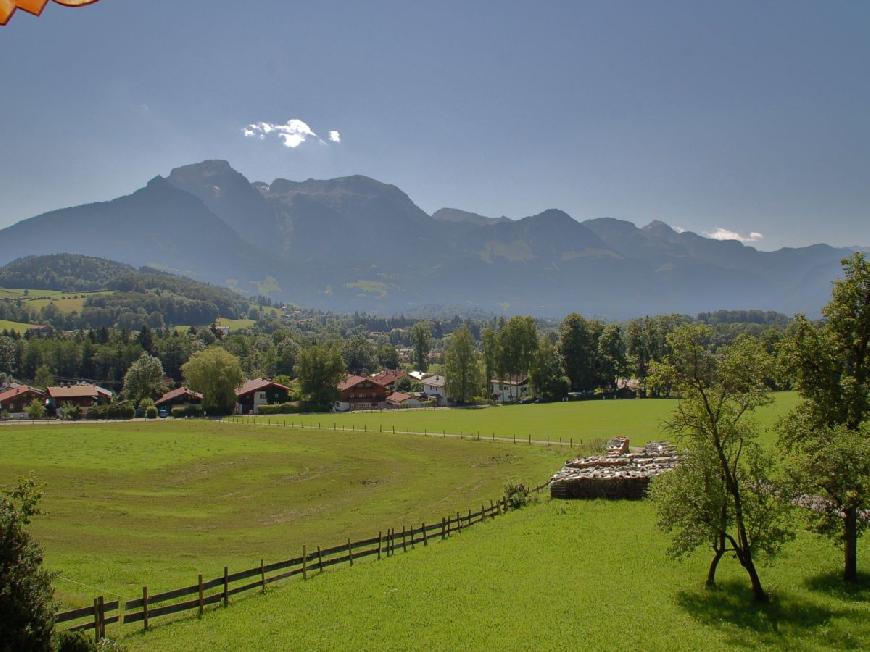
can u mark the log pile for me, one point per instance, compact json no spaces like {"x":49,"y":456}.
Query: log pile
{"x":620,"y":473}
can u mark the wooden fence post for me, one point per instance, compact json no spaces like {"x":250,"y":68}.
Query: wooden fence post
{"x":304,"y":564}
{"x":145,"y":607}
{"x":530,"y":440}
{"x":349,"y":552}
{"x":380,"y":532}
{"x":319,"y":560}
{"x":404,"y":541}
{"x":515,"y":438}
{"x":443,"y":532}
{"x":201,"y":600}
{"x":469,"y":518}
{"x":458,"y":523}
{"x":226,"y":587}
{"x":97,"y":619}
{"x":394,"y":430}
{"x":262,"y":576}
{"x":572,"y":442}
{"x":491,"y":509}
{"x":425,"y":538}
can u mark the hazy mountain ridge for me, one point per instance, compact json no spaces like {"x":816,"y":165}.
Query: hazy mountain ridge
{"x":357,"y":243}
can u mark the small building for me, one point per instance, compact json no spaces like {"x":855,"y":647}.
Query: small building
{"x":84,"y":396}
{"x":15,"y":400}
{"x":405,"y":400}
{"x":360,"y":393}
{"x":178,"y":398}
{"x":257,"y":392}
{"x":435,"y":387}
{"x":510,"y":390}
{"x":389,"y":377}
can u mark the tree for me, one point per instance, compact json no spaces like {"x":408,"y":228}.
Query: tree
{"x":43,"y":377}
{"x":359,"y":355}
{"x":146,"y":339}
{"x":26,"y":608}
{"x":421,"y":342}
{"x":36,"y":410}
{"x":319,"y":368}
{"x":216,"y":374}
{"x":491,"y":355}
{"x":462,"y":368}
{"x":611,"y":355}
{"x":578,"y":352}
{"x":547,"y":375}
{"x":144,"y":378}
{"x":8,"y":355}
{"x":517,"y":344}
{"x":719,"y":390}
{"x":827,"y":435}
{"x":388,"y":357}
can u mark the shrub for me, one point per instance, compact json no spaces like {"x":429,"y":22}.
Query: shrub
{"x":146,"y":403}
{"x":151,"y":412}
{"x":120,"y":410}
{"x":280,"y":408}
{"x":69,"y":412}
{"x":191,"y":410}
{"x":81,"y":642}
{"x":98,"y":412}
{"x":26,"y":608}
{"x":516,"y":495}
{"x":177,"y":412}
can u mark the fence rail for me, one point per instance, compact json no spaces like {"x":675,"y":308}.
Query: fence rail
{"x":475,"y":435}
{"x":385,"y":544}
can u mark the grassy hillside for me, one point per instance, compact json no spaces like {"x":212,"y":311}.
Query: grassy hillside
{"x":157,"y":503}
{"x":16,"y":326}
{"x":36,"y":299}
{"x":560,"y":575}
{"x":641,"y":420}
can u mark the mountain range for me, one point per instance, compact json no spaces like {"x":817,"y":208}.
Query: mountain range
{"x":354,"y":243}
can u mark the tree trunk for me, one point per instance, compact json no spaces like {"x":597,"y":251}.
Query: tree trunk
{"x":850,"y":537}
{"x":714,"y":563}
{"x":757,"y":590}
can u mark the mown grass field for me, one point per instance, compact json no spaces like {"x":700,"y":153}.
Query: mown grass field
{"x":156,"y":503}
{"x":66,"y":302}
{"x":235,"y":324}
{"x":560,"y":575}
{"x":640,"y":420}
{"x":16,"y":326}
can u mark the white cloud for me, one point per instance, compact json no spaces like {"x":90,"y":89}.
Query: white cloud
{"x":725,"y":234}
{"x":292,"y":133}
{"x":679,"y":229}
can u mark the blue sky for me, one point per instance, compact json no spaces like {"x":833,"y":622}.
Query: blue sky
{"x":752,"y":117}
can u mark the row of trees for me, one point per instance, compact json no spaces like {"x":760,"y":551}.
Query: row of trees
{"x":729,"y":493}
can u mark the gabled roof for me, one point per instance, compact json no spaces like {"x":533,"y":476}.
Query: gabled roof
{"x":399,"y":397}
{"x":435,"y":381}
{"x":351,"y":381}
{"x":9,"y":394}
{"x":78,"y":391}
{"x":258,"y":384}
{"x":176,"y":393}
{"x":388,"y":376}
{"x":516,"y":380}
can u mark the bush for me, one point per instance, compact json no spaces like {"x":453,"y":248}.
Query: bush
{"x":151,"y":412}
{"x":26,"y":608}
{"x":69,"y":412}
{"x":146,"y":403}
{"x":184,"y":411}
{"x":120,"y":410}
{"x":281,"y":408}
{"x":81,"y":642}
{"x":516,"y":495}
{"x":98,"y":412}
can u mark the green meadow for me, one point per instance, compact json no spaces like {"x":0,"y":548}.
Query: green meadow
{"x":559,"y":575}
{"x":156,"y":503}
{"x":640,"y":420}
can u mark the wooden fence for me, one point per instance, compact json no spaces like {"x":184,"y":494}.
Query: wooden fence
{"x":219,"y":590}
{"x":477,"y":435}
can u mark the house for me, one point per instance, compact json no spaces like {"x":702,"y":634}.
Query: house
{"x":388,"y":378}
{"x":257,"y":392}
{"x":178,"y":398}
{"x":510,"y":390}
{"x":435,"y":387}
{"x":84,"y":396}
{"x":360,"y":393}
{"x":418,"y":375}
{"x":16,"y":399}
{"x":405,"y":400}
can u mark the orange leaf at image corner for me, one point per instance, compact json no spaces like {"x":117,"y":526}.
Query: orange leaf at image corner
{"x":35,"y":7}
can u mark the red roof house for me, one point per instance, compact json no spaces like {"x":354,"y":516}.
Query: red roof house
{"x":16,"y":399}
{"x":180,"y":396}
{"x":260,"y":391}
{"x":361,"y":393}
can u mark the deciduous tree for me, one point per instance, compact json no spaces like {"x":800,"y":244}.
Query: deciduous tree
{"x":216,"y":374}
{"x":319,"y":368}
{"x":724,"y":495}
{"x":421,"y":342}
{"x":144,"y":378}
{"x":827,"y":435}
{"x":462,"y":367}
